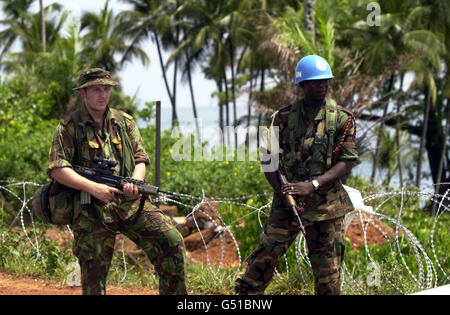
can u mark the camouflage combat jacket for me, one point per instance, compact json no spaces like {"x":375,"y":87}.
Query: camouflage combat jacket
{"x":91,"y":141}
{"x":303,"y":147}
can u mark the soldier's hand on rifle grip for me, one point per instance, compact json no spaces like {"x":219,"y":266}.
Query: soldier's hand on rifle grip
{"x":104,"y":193}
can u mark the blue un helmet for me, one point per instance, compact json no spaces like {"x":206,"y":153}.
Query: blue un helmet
{"x":312,"y":67}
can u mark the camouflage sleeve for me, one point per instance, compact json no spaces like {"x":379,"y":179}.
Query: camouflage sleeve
{"x":61,"y":149}
{"x":346,"y":137}
{"x":140,"y":156}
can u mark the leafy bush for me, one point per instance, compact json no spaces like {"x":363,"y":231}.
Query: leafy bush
{"x":216,"y":179}
{"x":20,"y":257}
{"x":26,"y":136}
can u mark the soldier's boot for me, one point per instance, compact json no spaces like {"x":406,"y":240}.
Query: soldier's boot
{"x":327,"y":286}
{"x":244,"y":288}
{"x":93,"y":276}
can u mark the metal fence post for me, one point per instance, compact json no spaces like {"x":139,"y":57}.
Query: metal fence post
{"x":157,"y":149}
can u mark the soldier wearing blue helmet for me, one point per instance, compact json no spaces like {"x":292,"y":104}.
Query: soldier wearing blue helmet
{"x":315,"y":146}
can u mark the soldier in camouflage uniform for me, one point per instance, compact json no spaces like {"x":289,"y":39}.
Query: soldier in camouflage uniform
{"x":302,"y":147}
{"x":96,"y":130}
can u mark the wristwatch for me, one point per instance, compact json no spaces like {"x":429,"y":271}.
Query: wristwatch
{"x":315,"y":183}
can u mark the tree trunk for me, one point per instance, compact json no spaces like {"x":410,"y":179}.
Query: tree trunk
{"x":261,"y":89}
{"x":444,"y":145}
{"x":43,"y":35}
{"x":166,"y":83}
{"x":380,"y":135}
{"x":434,"y":143}
{"x":397,"y":136}
{"x":435,"y":139}
{"x":219,"y":86}
{"x":250,"y":101}
{"x":194,"y":107}
{"x":441,"y":178}
{"x":175,"y":121}
{"x":424,"y":136}
{"x":174,"y":94}
{"x":233,"y":88}
{"x":227,"y":107}
{"x":309,"y":17}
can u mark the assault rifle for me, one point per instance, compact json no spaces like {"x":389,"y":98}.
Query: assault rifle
{"x":290,"y":201}
{"x":103,"y":173}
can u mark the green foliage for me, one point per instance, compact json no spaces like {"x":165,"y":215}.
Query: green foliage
{"x":292,"y":283}
{"x":131,"y":274}
{"x":209,"y":280}
{"x":19,"y":257}
{"x":226,"y":178}
{"x":26,"y":137}
{"x":148,"y":113}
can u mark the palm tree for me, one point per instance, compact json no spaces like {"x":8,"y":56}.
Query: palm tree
{"x":104,"y":38}
{"x":191,"y":49}
{"x":207,"y":31}
{"x":54,"y":71}
{"x":14,"y":12}
{"x":399,"y":35}
{"x":224,"y":25}
{"x":25,"y":28}
{"x":155,"y":19}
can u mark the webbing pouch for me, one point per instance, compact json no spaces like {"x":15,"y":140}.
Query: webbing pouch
{"x":330,"y":127}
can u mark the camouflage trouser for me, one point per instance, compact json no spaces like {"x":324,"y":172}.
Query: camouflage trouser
{"x":152,"y":231}
{"x":326,"y":245}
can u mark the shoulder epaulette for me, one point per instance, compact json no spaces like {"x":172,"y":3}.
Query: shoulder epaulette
{"x":71,"y":117}
{"x":120,"y":115}
{"x":283,"y":113}
{"x":346,"y":110}
{"x":285,"y":108}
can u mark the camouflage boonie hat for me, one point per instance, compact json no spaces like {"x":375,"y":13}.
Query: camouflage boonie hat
{"x":93,"y":77}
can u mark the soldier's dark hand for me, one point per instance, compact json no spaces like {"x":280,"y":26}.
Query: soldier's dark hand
{"x":104,"y":193}
{"x":300,"y":188}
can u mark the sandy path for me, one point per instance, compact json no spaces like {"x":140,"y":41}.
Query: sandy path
{"x":10,"y":285}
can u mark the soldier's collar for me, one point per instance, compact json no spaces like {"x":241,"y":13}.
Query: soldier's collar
{"x":320,"y":114}
{"x":85,"y":115}
{"x":87,"y":118}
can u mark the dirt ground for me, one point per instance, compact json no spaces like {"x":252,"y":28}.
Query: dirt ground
{"x":220,"y":252}
{"x":10,"y":285}
{"x":374,"y":232}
